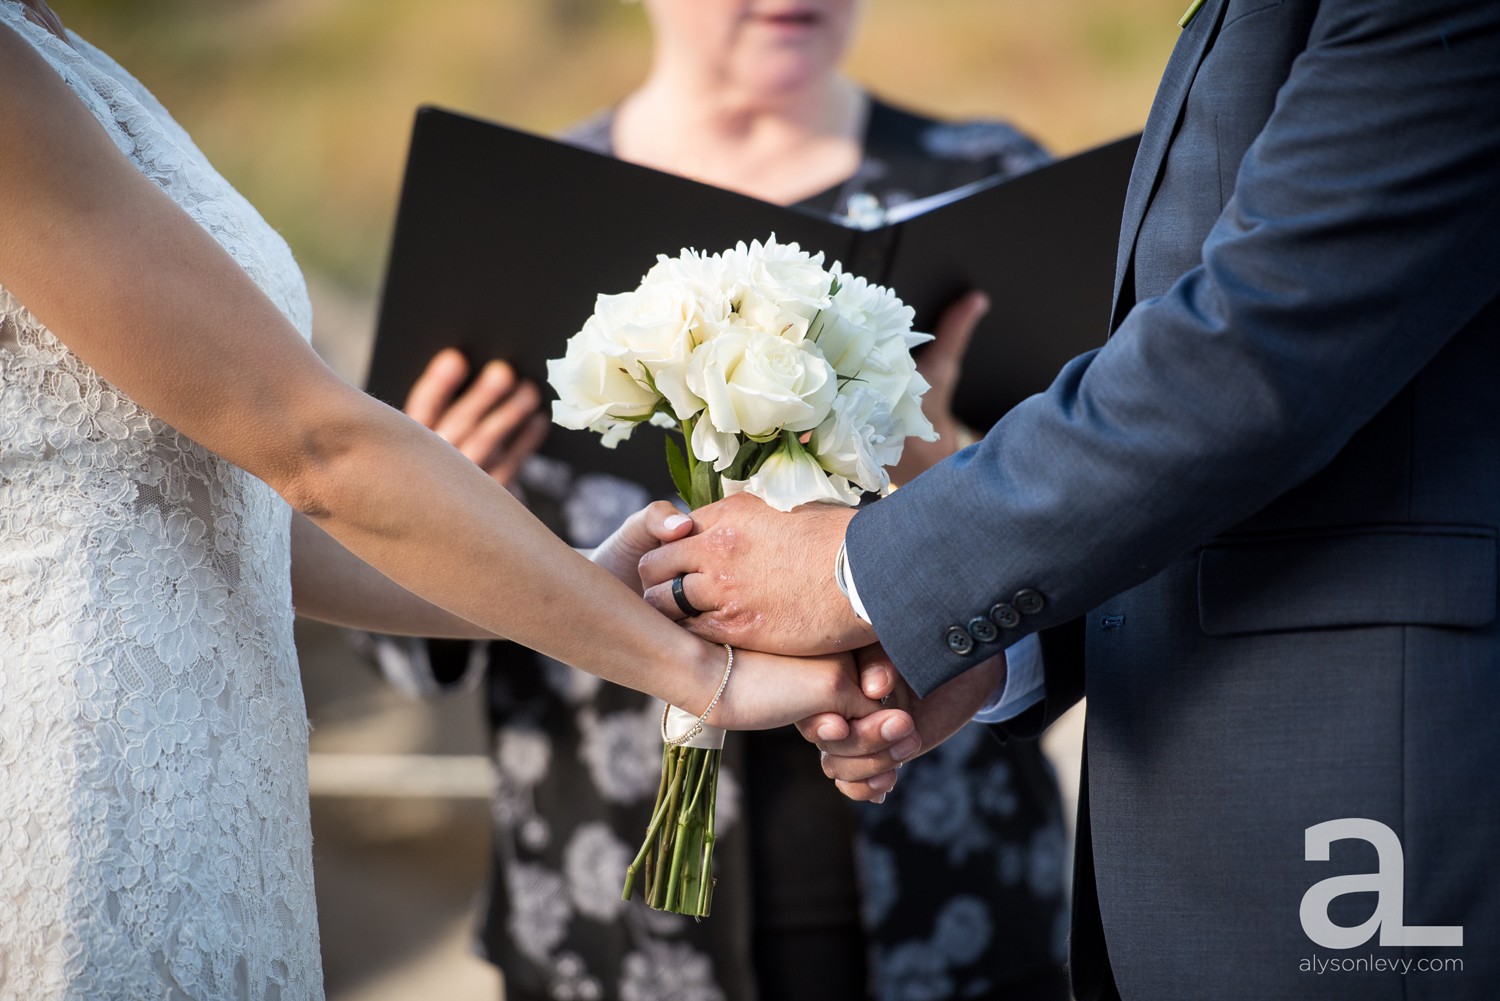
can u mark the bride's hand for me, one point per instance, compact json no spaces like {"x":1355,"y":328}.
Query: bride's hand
{"x":768,"y":690}
{"x":642,"y":532}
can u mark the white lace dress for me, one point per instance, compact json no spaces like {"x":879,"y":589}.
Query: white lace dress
{"x":154,"y":837}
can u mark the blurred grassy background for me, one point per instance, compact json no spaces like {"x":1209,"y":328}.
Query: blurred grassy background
{"x":306,"y":104}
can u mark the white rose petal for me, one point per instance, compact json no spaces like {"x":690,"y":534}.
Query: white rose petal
{"x":844,"y":341}
{"x":787,"y":287}
{"x":756,"y":384}
{"x":891,"y":372}
{"x":875,"y":307}
{"x":714,"y":282}
{"x":652,"y":330}
{"x":595,"y":390}
{"x":711,"y":445}
{"x":859,"y":438}
{"x":791,"y":476}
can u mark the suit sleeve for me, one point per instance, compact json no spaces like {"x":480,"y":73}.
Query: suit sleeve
{"x":1363,"y":232}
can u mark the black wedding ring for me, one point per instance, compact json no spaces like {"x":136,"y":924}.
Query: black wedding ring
{"x":679,"y":596}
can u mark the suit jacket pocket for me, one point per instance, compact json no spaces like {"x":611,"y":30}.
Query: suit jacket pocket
{"x":1425,"y":575}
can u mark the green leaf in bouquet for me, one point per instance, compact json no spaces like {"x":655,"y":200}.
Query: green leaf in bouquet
{"x":704,"y":481}
{"x":766,"y":451}
{"x":646,"y":379}
{"x":677,"y":465}
{"x":742,"y":460}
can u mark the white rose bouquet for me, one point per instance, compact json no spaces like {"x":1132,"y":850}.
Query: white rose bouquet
{"x":787,"y":380}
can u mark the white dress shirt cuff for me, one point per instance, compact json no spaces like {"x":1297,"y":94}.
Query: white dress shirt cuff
{"x":1024,"y":684}
{"x":845,"y":578}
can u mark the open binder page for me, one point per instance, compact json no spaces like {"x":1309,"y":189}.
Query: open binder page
{"x":503,"y":240}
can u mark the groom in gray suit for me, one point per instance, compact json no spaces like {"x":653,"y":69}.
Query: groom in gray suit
{"x":1257,"y":528}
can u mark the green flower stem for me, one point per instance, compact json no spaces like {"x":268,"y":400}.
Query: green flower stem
{"x":676,"y":857}
{"x":1189,"y":14}
{"x":687,"y":447}
{"x":658,"y":892}
{"x":685,"y":832}
{"x":658,"y":814}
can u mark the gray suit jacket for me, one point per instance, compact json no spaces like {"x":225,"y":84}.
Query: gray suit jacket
{"x":1258,"y":526}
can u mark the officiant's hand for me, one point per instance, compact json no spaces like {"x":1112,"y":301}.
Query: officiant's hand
{"x":862,"y":755}
{"x":941,"y":363}
{"x":760,"y":578}
{"x":494,"y":422}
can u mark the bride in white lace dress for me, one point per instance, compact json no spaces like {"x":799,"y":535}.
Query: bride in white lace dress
{"x":176,"y":465}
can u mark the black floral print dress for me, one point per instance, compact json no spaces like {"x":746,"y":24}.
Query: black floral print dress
{"x":953,"y":888}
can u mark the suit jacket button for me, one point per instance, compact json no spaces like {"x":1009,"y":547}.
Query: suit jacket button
{"x":1029,"y":601}
{"x":983,"y":629}
{"x":1005,"y":616}
{"x":959,"y":640}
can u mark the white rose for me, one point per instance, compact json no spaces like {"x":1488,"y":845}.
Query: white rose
{"x":859,"y":438}
{"x":595,"y":390}
{"x":713,"y":280}
{"x":875,"y":308}
{"x":717,"y":447}
{"x":858,"y":318}
{"x":891,"y":372}
{"x":786,"y":287}
{"x":866,"y":335}
{"x":653,"y":328}
{"x":791,"y":476}
{"x":756,"y":384}
{"x":843,"y":339}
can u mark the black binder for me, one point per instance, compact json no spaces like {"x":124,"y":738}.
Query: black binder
{"x":503,"y":239}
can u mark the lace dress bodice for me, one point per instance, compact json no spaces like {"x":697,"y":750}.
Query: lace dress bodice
{"x":154,"y":836}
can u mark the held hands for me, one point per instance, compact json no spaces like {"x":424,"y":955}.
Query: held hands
{"x":763,"y":579}
{"x":764,"y":690}
{"x":621,"y":553}
{"x":862,"y":755}
{"x":494,"y":422}
{"x":768,"y":690}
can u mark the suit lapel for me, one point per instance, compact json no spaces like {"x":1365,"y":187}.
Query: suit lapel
{"x":1161,"y":126}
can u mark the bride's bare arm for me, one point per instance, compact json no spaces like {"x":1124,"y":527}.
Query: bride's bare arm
{"x":331,"y":584}
{"x":147,"y":298}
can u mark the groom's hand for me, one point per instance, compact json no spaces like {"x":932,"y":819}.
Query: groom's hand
{"x":762,"y":579}
{"x":862,"y":755}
